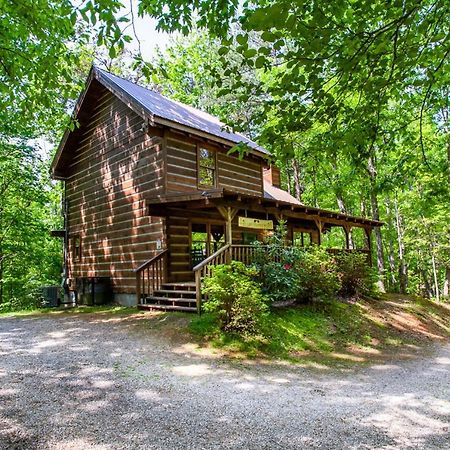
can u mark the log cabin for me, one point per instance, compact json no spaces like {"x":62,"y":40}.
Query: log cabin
{"x":153,"y":197}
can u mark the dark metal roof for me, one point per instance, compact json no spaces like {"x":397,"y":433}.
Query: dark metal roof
{"x":162,"y":107}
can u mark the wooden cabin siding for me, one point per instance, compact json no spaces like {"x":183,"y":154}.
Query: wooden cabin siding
{"x":243,"y":176}
{"x":238,"y":175}
{"x":115,"y":167}
{"x":178,"y":243}
{"x":181,"y":164}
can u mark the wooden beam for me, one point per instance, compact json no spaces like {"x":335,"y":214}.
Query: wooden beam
{"x":319,"y":225}
{"x":285,"y":210}
{"x":183,"y":197}
{"x":228,"y":213}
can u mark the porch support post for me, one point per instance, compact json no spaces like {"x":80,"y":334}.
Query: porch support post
{"x":228,"y":213}
{"x":319,"y":225}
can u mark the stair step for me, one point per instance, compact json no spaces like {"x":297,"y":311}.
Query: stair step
{"x":173,"y":291}
{"x":155,"y":298}
{"x":168,"y":308}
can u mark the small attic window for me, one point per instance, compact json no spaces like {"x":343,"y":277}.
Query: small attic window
{"x":207,"y":170}
{"x":76,"y":247}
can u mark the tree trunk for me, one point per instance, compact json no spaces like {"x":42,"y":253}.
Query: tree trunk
{"x":446,"y":117}
{"x":391,"y":253}
{"x":435,"y":277}
{"x":298,"y":188}
{"x":288,"y":176}
{"x":376,"y":216}
{"x":426,"y":283}
{"x":446,"y":290}
{"x":403,"y":267}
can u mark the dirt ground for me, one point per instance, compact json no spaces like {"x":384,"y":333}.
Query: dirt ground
{"x":100,"y":381}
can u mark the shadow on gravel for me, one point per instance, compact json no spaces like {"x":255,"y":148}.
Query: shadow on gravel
{"x":83,"y":383}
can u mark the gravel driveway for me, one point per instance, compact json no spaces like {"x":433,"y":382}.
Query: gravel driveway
{"x":75,"y":382}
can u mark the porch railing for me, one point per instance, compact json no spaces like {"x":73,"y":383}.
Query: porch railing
{"x":151,"y":275}
{"x":243,"y":253}
{"x":226,"y":254}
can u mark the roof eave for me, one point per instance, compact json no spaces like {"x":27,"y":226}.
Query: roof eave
{"x":74,"y":115}
{"x":144,"y":112}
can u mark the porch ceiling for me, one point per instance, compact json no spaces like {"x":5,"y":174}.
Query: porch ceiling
{"x":213,"y":198}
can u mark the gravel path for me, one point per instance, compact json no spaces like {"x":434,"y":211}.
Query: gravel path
{"x":89,"y":383}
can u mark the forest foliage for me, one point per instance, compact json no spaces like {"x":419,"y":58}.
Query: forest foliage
{"x":352,"y":98}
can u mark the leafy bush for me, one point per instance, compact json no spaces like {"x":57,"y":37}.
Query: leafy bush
{"x":288,"y":272}
{"x":274,"y":260}
{"x":357,"y":277}
{"x":30,"y":301}
{"x":317,"y":274}
{"x":236,"y":298}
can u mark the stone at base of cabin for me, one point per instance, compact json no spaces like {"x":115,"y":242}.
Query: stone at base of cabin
{"x":125,"y":299}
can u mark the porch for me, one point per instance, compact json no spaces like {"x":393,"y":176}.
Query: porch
{"x":208,"y":228}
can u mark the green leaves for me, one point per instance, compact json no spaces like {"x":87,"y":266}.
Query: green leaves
{"x":29,"y":208}
{"x":260,"y":61}
{"x":268,"y":36}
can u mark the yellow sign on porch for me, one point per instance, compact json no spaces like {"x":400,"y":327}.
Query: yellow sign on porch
{"x":259,"y":224}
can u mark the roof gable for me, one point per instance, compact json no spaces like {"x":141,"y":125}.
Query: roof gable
{"x":161,"y":107}
{"x":157,"y":109}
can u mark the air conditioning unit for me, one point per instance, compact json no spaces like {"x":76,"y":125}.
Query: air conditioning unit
{"x":50,"y":296}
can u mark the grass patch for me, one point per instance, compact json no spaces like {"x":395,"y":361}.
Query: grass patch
{"x":105,"y":309}
{"x":367,"y":327}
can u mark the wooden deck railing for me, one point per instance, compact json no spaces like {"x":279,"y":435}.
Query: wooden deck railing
{"x":151,"y":275}
{"x":243,"y":253}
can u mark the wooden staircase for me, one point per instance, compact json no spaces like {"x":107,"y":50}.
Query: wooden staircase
{"x":155,"y":293}
{"x":180,"y":296}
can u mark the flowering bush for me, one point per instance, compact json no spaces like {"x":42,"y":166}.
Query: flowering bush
{"x":287,"y":272}
{"x":275,"y":261}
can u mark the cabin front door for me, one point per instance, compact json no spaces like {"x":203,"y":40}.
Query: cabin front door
{"x":189,"y":243}
{"x":206,"y":239}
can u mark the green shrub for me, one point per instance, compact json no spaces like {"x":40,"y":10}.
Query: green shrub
{"x":357,"y":277}
{"x":236,"y":298}
{"x":30,"y":301}
{"x":279,"y":281}
{"x":317,"y":274}
{"x":274,"y":260}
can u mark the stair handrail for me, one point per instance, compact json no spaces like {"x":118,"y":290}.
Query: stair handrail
{"x":210,"y":258}
{"x":201,"y":268}
{"x":159,"y":274}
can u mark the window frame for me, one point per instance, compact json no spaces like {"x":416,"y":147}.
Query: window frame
{"x":76,"y":254}
{"x":214,"y":169}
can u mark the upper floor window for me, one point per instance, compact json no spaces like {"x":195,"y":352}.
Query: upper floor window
{"x":207,"y":170}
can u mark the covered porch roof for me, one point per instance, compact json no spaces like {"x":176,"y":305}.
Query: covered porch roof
{"x":213,"y":199}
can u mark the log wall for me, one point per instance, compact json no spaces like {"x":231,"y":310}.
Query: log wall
{"x":243,"y":176}
{"x":114,"y":167}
